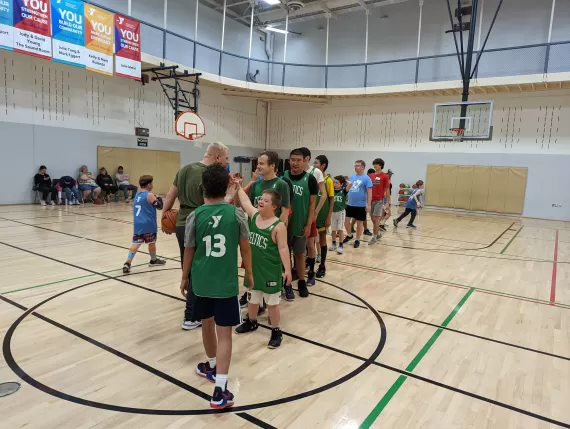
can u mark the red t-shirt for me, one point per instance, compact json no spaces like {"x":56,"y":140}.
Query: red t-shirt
{"x":380,"y":181}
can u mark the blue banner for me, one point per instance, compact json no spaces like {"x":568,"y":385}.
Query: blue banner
{"x":6,"y":25}
{"x":68,"y":32}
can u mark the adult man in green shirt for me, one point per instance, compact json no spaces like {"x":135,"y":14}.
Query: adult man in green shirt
{"x":187,"y":187}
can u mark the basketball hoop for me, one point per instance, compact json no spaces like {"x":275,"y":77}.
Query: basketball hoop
{"x":190,"y":126}
{"x":459,"y":134}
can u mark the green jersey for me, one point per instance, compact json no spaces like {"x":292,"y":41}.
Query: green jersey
{"x":214,"y":230}
{"x":301,"y":203}
{"x":266,"y":261}
{"x":189,"y":183}
{"x":339,"y":200}
{"x":277,"y":184}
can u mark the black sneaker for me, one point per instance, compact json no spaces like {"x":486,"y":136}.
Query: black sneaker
{"x":289,"y":295}
{"x":311,"y":278}
{"x":367,"y":232}
{"x":383,"y":228}
{"x":247,"y":326}
{"x":157,"y":263}
{"x":276,"y":338}
{"x":221,"y":399}
{"x":243,"y":301}
{"x":204,"y":370}
{"x":347,"y":239}
{"x":321,"y":272}
{"x":357,"y":244}
{"x":126,"y":268}
{"x":303,"y":291}
{"x":395,"y":223}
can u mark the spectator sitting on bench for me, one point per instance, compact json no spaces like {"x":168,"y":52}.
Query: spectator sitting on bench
{"x":68,"y":186}
{"x":87,"y":184}
{"x":124,"y":185}
{"x":107,"y":185}
{"x":42,"y":183}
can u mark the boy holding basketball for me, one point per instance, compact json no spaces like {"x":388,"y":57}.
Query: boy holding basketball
{"x":270,"y":252}
{"x":145,"y":227}
{"x":212,"y":236}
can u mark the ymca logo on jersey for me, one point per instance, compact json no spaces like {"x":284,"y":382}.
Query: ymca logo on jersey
{"x":215,"y":221}
{"x":257,"y":240}
{"x":356,"y":185}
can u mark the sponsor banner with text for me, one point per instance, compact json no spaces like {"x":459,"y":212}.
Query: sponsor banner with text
{"x":68,"y":31}
{"x":127,"y":47}
{"x":6,"y":25}
{"x":99,"y":39}
{"x":32,"y":27}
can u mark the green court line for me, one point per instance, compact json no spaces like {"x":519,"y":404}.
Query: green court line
{"x":412,"y":276}
{"x":512,"y":239}
{"x":375,"y":413}
{"x":63,"y":281}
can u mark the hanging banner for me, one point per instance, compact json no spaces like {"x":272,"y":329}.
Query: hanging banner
{"x":127,"y":47}
{"x":32,"y":27}
{"x":98,"y":40}
{"x":68,"y":32}
{"x":6,"y":25}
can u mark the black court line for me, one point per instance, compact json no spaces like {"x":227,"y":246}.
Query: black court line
{"x":445,"y":328}
{"x":388,"y":367}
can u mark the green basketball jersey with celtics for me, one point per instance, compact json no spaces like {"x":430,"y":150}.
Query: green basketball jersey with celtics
{"x":301,"y":202}
{"x":214,"y":268}
{"x":267,"y":267}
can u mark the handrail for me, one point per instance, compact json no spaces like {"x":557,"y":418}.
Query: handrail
{"x":325,"y":67}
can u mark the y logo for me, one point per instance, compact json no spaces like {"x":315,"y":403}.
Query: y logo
{"x":216,"y":220}
{"x":121,"y":19}
{"x":91,"y":11}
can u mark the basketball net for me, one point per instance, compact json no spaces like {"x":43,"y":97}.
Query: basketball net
{"x":459,"y":134}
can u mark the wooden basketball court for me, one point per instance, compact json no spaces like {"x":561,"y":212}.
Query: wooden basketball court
{"x":463,"y":323}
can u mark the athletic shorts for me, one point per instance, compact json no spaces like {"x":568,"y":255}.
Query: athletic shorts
{"x":147,"y":237}
{"x":376,"y":208}
{"x":313,"y":230}
{"x":322,"y":230}
{"x":299,"y":245}
{"x":357,"y":213}
{"x":257,"y":297}
{"x":337,"y":220}
{"x":225,"y":311}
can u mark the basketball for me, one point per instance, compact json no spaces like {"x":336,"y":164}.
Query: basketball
{"x":401,"y":191}
{"x":98,"y":201}
{"x":168,"y":221}
{"x":414,"y":186}
{"x":402,"y":185}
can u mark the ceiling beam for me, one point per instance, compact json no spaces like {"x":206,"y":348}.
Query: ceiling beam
{"x":277,"y":97}
{"x":363,"y":4}
{"x":324,"y":7}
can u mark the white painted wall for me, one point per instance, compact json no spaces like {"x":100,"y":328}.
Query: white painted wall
{"x":530,"y":130}
{"x":57,"y":115}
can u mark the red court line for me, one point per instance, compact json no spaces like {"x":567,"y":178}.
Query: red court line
{"x":554,"y":265}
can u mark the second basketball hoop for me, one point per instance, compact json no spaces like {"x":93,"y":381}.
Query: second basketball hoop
{"x":190,"y":126}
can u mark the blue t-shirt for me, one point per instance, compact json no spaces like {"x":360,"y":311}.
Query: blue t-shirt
{"x":358,"y":193}
{"x":411,"y":204}
{"x":144,"y":215}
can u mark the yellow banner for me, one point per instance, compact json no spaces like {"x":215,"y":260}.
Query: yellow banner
{"x":99,"y":41}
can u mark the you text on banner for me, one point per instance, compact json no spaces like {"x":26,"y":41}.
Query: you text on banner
{"x":99,"y":39}
{"x":68,"y":31}
{"x":32,"y":27}
{"x":127,"y":47}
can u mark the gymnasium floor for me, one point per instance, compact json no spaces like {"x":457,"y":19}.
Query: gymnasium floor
{"x":463,"y":323}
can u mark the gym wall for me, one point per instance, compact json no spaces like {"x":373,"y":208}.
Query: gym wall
{"x":58,"y":115}
{"x":530,"y":131}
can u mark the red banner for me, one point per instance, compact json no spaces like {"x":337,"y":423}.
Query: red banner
{"x":127,"y":47}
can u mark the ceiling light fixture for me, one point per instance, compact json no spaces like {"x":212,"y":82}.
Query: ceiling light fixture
{"x":272,"y":2}
{"x":276,"y":30}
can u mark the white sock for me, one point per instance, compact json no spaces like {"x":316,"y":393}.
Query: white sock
{"x":221,"y":381}
{"x":212,"y":362}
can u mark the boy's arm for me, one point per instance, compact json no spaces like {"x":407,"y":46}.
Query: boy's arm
{"x":189,"y":251}
{"x":368,"y":200}
{"x":283,"y":246}
{"x":322,"y":198}
{"x":155,"y":201}
{"x":284,"y":215}
{"x":416,"y":197}
{"x":244,"y":247}
{"x":245,"y":203}
{"x":311,"y":216}
{"x":348,"y":186}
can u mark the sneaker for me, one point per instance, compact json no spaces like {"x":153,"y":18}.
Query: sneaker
{"x":247,"y":326}
{"x":367,"y":232}
{"x":357,"y":244}
{"x":126,"y":268}
{"x":204,"y":370}
{"x":383,"y":228}
{"x":289,"y":295}
{"x":318,"y":259}
{"x":43,"y":203}
{"x":340,"y":250}
{"x":395,"y":223}
{"x":221,"y":400}
{"x":311,"y":278}
{"x":243,"y":301}
{"x":303,"y":291}
{"x":347,"y":239}
{"x":276,"y":338}
{"x":187,"y":325}
{"x":332,"y":247}
{"x":52,"y":203}
{"x":128,"y":200}
{"x":411,"y":226}
{"x":157,"y":263}
{"x":373,"y":240}
{"x":321,"y":272}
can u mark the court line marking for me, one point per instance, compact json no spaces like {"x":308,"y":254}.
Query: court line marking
{"x":554,"y":269}
{"x":449,"y":284}
{"x":375,"y":413}
{"x":402,"y":372}
{"x":512,"y":239}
